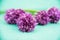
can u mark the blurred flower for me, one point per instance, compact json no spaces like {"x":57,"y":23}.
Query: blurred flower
{"x":53,"y":15}
{"x":26,"y":23}
{"x":42,"y":17}
{"x":12,"y":15}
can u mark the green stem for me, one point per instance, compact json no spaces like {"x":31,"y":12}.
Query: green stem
{"x":31,"y":11}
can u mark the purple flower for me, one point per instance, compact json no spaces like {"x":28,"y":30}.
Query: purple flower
{"x":26,"y":23}
{"x":12,"y":15}
{"x":53,"y":15}
{"x":42,"y":17}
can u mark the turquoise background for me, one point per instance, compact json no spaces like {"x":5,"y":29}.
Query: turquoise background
{"x":29,"y":4}
{"x":11,"y":32}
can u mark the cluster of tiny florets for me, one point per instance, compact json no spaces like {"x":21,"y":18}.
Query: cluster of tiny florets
{"x":26,"y":22}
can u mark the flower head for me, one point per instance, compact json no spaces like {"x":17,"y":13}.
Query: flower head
{"x":12,"y":15}
{"x":53,"y":15}
{"x":26,"y":23}
{"x":42,"y":17}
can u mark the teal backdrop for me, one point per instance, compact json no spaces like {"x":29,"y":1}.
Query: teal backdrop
{"x":46,"y":32}
{"x":29,"y":4}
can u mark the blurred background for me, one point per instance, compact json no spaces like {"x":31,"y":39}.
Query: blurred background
{"x":28,"y":4}
{"x":11,"y":32}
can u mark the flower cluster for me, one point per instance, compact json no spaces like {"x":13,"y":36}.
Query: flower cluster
{"x":53,"y":15}
{"x":26,"y":22}
{"x":12,"y":15}
{"x":42,"y":17}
